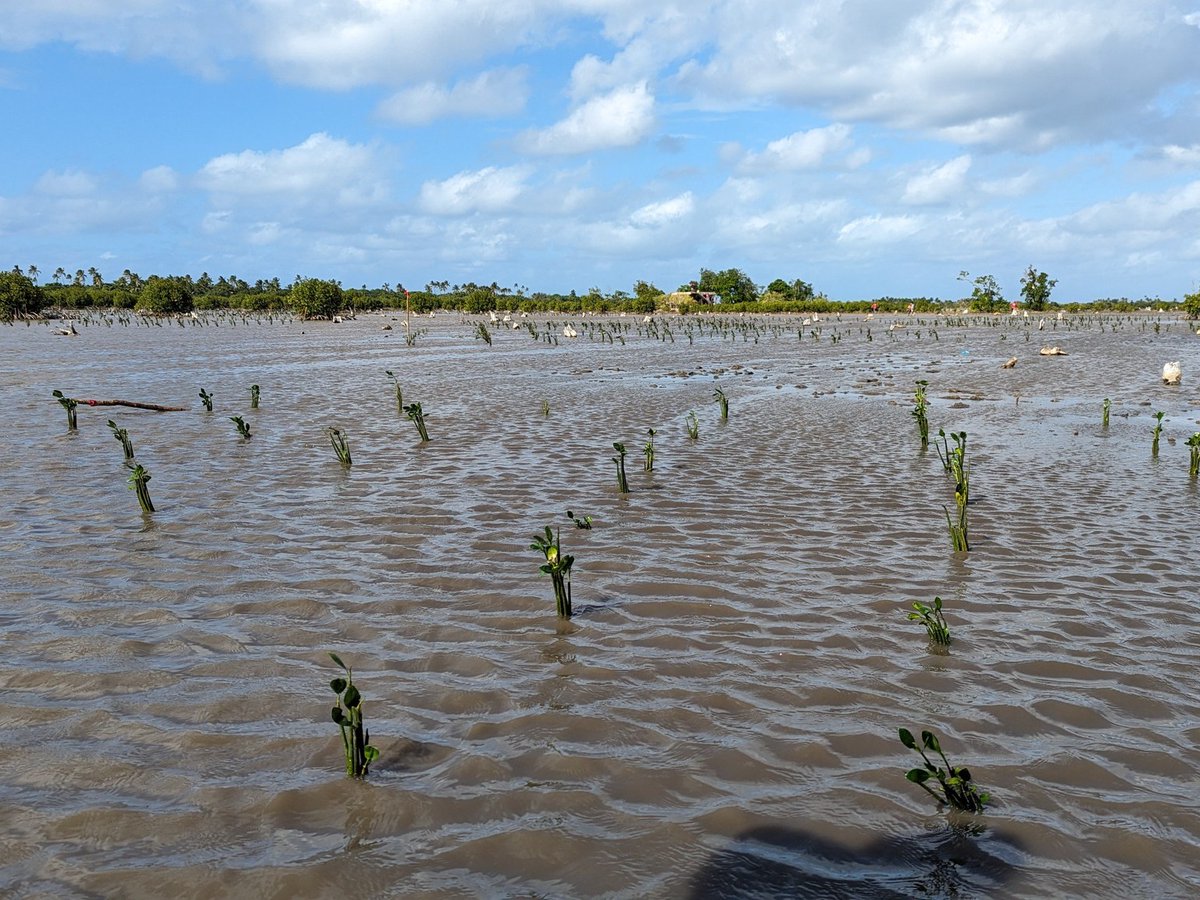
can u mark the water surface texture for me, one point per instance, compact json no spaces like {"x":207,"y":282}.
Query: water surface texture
{"x":720,"y":716}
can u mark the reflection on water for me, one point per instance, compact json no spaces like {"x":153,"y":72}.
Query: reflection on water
{"x":719,"y":719}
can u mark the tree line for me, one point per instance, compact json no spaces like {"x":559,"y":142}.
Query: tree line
{"x":22,"y":295}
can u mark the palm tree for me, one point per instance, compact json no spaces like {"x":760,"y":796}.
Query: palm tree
{"x":97,"y":279}
{"x":33,"y":272}
{"x":59,"y":274}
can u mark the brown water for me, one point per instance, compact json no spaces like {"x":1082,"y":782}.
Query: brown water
{"x":719,"y":718}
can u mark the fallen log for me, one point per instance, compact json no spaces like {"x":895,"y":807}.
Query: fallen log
{"x":153,"y":406}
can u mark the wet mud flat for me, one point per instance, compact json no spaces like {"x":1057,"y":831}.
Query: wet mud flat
{"x":719,"y":718}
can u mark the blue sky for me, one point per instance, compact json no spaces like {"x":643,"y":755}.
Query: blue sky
{"x":868,"y":147}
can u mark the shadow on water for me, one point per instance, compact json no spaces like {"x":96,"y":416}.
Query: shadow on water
{"x":776,"y":861}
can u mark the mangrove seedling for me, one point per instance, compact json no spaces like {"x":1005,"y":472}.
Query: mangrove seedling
{"x":254,"y":392}
{"x":206,"y":399}
{"x":123,"y":436}
{"x":340,"y":446}
{"x":418,"y":417}
{"x":958,"y":529}
{"x":619,"y":459}
{"x":921,"y":405}
{"x":482,"y":333}
{"x":137,"y":483}
{"x":648,"y":450}
{"x":931,"y":618}
{"x":693,"y":426}
{"x":1194,"y":465}
{"x":69,"y":404}
{"x":557,"y":566}
{"x":580,"y":521}
{"x":1158,"y":417}
{"x":399,"y":393}
{"x":958,"y":791}
{"x":723,"y":401}
{"x":1107,"y":407}
{"x":546,"y":408}
{"x":242,"y":427}
{"x":347,"y":714}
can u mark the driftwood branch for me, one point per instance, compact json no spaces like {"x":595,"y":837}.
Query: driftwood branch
{"x":153,"y":406}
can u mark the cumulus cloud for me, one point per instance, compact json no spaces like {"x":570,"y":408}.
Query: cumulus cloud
{"x":801,"y":150}
{"x":938,"y":184}
{"x":321,"y":169}
{"x":877,"y":229}
{"x":500,"y":92}
{"x":1019,"y":73}
{"x":620,"y":118}
{"x":486,"y":190}
{"x":655,"y":215}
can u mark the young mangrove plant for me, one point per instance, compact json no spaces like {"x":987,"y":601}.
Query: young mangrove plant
{"x":1194,"y":465}
{"x":958,"y":791}
{"x":1158,"y":417}
{"x":399,"y":393}
{"x":723,"y":401}
{"x":622,"y":484}
{"x":958,"y":529}
{"x":206,"y":398}
{"x":347,"y":714}
{"x":242,"y":427}
{"x":137,"y":483}
{"x":418,"y":417}
{"x":648,"y":450}
{"x":254,"y":392}
{"x":69,"y":404}
{"x":340,"y":446}
{"x":557,"y":566}
{"x":931,"y":618}
{"x":693,"y":426}
{"x":546,"y":408}
{"x":1107,"y":407}
{"x":955,"y":463}
{"x":580,"y":521}
{"x":482,"y":333}
{"x":921,"y":405}
{"x":123,"y":436}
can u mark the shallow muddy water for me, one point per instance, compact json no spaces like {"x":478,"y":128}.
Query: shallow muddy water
{"x":720,"y":716}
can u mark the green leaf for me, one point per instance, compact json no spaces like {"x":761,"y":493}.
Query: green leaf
{"x":338,"y":716}
{"x":352,"y":698}
{"x":370,"y":753}
{"x":917,"y":776}
{"x":337,"y":659}
{"x":906,"y":739}
{"x":338,"y":685}
{"x":931,"y":741}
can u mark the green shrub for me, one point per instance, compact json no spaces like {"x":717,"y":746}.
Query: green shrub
{"x":316,"y":298}
{"x":19,"y":296}
{"x":165,"y":297}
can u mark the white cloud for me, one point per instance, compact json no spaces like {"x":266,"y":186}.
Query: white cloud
{"x":486,"y":190}
{"x":1184,"y":157}
{"x":500,"y":92}
{"x":801,"y":150}
{"x":938,"y":184}
{"x":878,"y":229}
{"x":321,"y":169}
{"x":621,"y":118}
{"x":655,"y":215}
{"x":160,"y":179}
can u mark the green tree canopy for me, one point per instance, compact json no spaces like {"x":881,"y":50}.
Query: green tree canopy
{"x":316,"y":298}
{"x":985,"y":292}
{"x":733,"y":285}
{"x":1035,"y":288}
{"x":1191,"y":305}
{"x":165,"y":296}
{"x":19,"y":296}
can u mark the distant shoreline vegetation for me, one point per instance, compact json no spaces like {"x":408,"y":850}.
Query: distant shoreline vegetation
{"x":21,"y":296}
